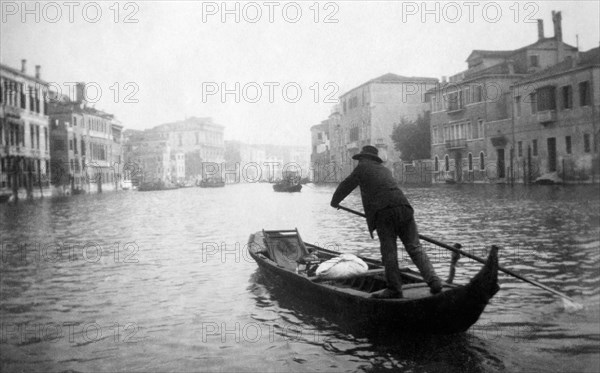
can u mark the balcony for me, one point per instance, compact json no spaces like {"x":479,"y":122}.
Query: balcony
{"x":546,"y":117}
{"x":456,"y":144}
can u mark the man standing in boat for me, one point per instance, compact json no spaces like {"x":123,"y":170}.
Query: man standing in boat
{"x":389,"y":212}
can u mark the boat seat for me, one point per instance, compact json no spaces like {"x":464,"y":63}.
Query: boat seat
{"x":285,"y":247}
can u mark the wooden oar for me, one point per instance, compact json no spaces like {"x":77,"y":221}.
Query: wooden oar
{"x":480,"y":260}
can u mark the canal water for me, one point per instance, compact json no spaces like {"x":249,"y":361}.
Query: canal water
{"x":160,"y":281}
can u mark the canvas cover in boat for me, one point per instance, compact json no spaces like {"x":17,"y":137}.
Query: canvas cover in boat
{"x":285,"y":250}
{"x":342,"y":266}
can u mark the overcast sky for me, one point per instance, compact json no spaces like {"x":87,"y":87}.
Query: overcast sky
{"x":176,"y":51}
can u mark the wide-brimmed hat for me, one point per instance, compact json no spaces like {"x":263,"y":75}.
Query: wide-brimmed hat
{"x":370,"y":152}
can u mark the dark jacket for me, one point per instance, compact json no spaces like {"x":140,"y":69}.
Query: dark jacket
{"x":378,"y":189}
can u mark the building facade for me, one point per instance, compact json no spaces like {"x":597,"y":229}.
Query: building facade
{"x":556,"y":122}
{"x":86,"y":146}
{"x":472,"y":115}
{"x":320,"y":155}
{"x":369,"y":113}
{"x":147,"y":157}
{"x":177,"y":152}
{"x":24,"y":134}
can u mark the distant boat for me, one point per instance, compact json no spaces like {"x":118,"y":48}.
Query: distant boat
{"x":211,"y":184}
{"x":151,"y":186}
{"x":286,"y":187}
{"x":126,"y":184}
{"x":549,"y":179}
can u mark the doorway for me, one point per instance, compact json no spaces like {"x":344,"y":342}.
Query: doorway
{"x":501,"y":164}
{"x":551,"y":154}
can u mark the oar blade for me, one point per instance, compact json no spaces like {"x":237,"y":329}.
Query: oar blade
{"x":571,"y":306}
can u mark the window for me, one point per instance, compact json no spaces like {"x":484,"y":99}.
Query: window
{"x":469,"y":130}
{"x":481,"y":128}
{"x":470,"y":162}
{"x":436,"y":165}
{"x":45,"y":138}
{"x":533,"y":101}
{"x":70,"y":144}
{"x":586,"y":143}
{"x":467,"y":95}
{"x":584,"y":93}
{"x":566,"y":95}
{"x":59,"y":144}
{"x":534,"y":146}
{"x":197,"y":138}
{"x":354,"y":134}
{"x":520,"y":148}
{"x":180,"y":140}
{"x":455,"y":101}
{"x":320,"y":136}
{"x":447,"y":162}
{"x":477,"y":93}
{"x":534,"y":61}
{"x":435,"y":135}
{"x":568,"y":144}
{"x":518,"y":106}
{"x":546,"y":98}
{"x":481,"y":161}
{"x":475,"y":131}
{"x":22,"y":96}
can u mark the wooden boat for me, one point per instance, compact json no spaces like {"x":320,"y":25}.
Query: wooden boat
{"x":285,"y":187}
{"x":147,"y":187}
{"x":350,"y":300}
{"x":211,"y":184}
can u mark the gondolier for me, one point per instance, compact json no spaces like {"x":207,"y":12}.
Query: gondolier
{"x":389,"y":212}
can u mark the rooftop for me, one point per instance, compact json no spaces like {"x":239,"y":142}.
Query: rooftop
{"x":586,"y":59}
{"x":20,"y":73}
{"x":393,"y":79}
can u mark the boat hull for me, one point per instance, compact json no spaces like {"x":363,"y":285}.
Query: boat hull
{"x":287,"y":188}
{"x":452,"y":311}
{"x":211,"y":184}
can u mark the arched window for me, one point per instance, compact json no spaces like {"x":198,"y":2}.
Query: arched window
{"x":470,"y":162}
{"x":447,"y":161}
{"x":481,"y":161}
{"x":436,"y":164}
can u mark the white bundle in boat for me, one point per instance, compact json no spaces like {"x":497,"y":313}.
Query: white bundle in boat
{"x":345,"y":265}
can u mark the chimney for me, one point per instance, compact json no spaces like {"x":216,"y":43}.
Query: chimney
{"x":80,"y":92}
{"x":540,"y":23}
{"x":23,"y":66}
{"x":557,"y":20}
{"x":37,"y":71}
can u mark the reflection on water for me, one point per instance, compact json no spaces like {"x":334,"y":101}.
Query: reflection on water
{"x":160,"y":281}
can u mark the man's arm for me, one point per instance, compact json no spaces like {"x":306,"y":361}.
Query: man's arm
{"x":346,"y":187}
